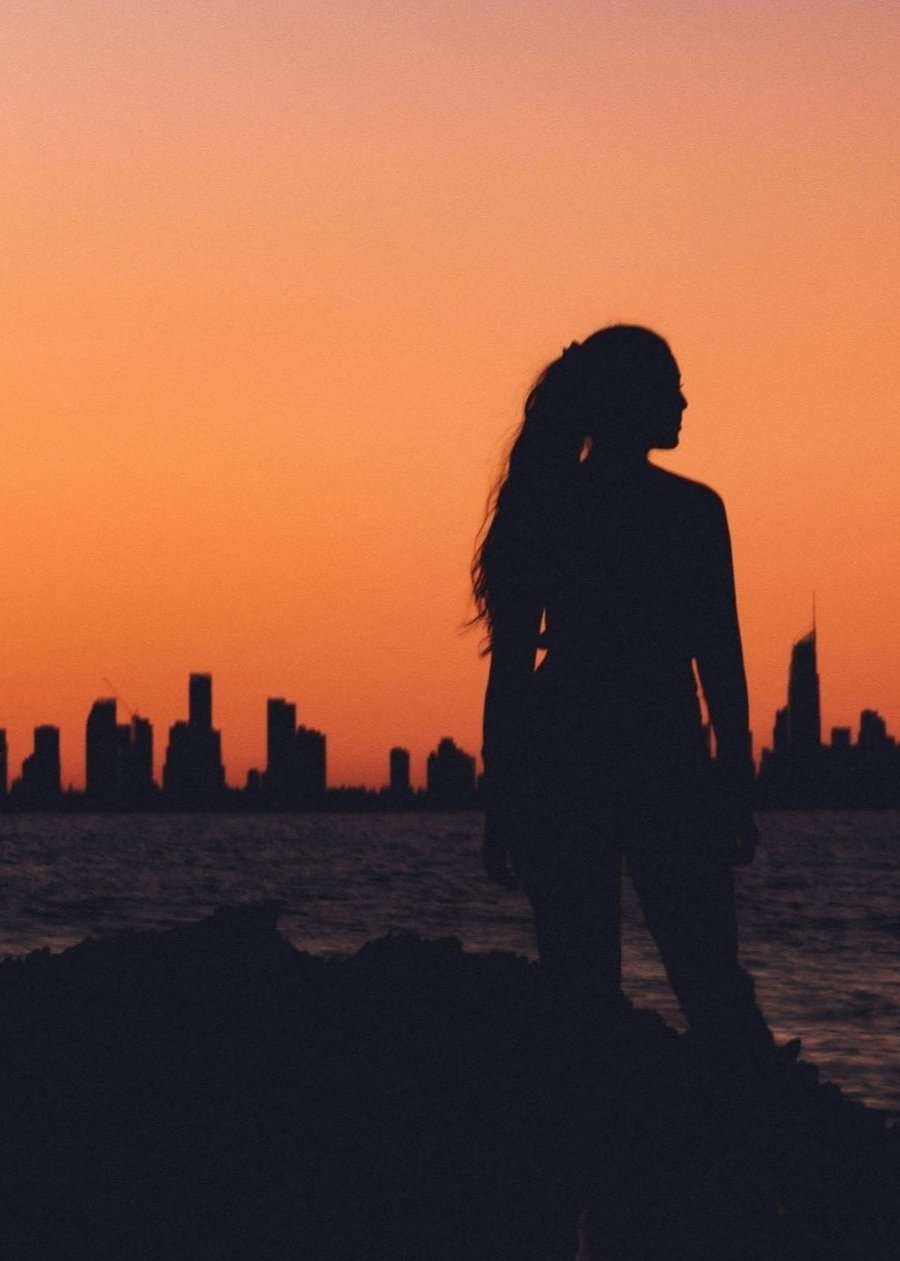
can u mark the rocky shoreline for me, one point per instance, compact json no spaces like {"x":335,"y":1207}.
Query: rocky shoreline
{"x":211,"y":1093}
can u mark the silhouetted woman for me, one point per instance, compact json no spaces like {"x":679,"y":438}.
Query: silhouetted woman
{"x":622,"y":572}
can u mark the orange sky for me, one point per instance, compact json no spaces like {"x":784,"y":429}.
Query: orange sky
{"x":276,"y":278}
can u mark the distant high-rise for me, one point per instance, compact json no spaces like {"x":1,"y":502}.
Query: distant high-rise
{"x":295,"y":759}
{"x":119,"y":758}
{"x":311,"y":777}
{"x":781,"y":737}
{"x":451,"y":776}
{"x":200,"y":701}
{"x":877,"y":762}
{"x":4,"y":764}
{"x":799,"y":771}
{"x":281,"y":729}
{"x":41,"y":783}
{"x":142,"y":755}
{"x":804,"y":728}
{"x":872,"y":730}
{"x":102,"y":751}
{"x":135,"y":762}
{"x":399,"y":772}
{"x":193,"y":774}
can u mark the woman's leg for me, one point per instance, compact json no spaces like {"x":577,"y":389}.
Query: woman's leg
{"x":686,"y":891}
{"x":575,"y":894}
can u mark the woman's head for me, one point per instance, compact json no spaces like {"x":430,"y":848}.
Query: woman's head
{"x":617,"y":394}
{"x":620,"y":388}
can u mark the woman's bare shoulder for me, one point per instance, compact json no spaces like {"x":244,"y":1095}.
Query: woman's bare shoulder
{"x":688,"y":494}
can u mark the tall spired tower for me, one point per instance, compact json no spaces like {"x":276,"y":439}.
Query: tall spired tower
{"x":804,"y":732}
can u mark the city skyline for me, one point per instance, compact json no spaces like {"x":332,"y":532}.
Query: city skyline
{"x":279,"y":279}
{"x":801,"y":770}
{"x":797,"y":767}
{"x":119,"y":762}
{"x":19,"y":741}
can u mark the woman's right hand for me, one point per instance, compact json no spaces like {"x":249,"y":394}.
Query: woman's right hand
{"x":746,"y":839}
{"x":496,"y":856}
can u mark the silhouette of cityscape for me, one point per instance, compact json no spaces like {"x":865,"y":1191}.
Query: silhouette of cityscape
{"x":800,"y":772}
{"x":797,"y":772}
{"x":119,"y":768}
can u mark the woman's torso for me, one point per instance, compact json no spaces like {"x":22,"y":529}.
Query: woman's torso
{"x":617,"y":684}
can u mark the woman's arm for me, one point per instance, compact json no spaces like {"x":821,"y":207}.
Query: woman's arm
{"x":507,"y":699}
{"x":720,"y":664}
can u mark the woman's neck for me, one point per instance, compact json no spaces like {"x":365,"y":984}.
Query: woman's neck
{"x":611,"y":460}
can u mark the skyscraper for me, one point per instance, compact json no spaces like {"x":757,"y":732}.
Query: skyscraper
{"x":193,"y":775}
{"x":41,"y":784}
{"x":872,"y":730}
{"x":295,"y":759}
{"x":794,"y":773}
{"x":102,"y":751}
{"x":804,"y":716}
{"x":200,"y":701}
{"x":311,"y":777}
{"x":4,"y":765}
{"x":399,"y":772}
{"x":281,"y":727}
{"x":119,"y":758}
{"x":142,"y":756}
{"x":451,"y":776}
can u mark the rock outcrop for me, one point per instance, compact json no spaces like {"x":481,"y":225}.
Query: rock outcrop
{"x":212,"y":1093}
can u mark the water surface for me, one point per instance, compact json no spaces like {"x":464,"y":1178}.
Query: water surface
{"x":820,"y":908}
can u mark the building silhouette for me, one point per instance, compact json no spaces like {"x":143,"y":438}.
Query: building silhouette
{"x":118,"y":760}
{"x":798,"y":726}
{"x":451,"y":777}
{"x":872,"y":731}
{"x":200,"y":701}
{"x":40,"y":787}
{"x":311,"y":772}
{"x":281,"y":728}
{"x":119,"y":767}
{"x":398,"y":763}
{"x":804,"y":709}
{"x":398,"y":794}
{"x":193,"y":774}
{"x":138,"y":773}
{"x":799,"y":772}
{"x":792,"y":771}
{"x":102,"y":752}
{"x":295,"y":775}
{"x":874,"y":772}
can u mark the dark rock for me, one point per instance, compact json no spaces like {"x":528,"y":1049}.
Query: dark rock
{"x":211,"y":1093}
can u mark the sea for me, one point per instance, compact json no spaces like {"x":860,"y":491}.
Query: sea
{"x":819,"y":908}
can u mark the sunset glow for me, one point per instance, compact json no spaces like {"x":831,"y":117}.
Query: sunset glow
{"x":276,"y":279}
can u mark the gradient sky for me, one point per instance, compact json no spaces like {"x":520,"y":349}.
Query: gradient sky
{"x":276,"y":277}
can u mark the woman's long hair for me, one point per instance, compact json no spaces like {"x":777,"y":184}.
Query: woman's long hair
{"x":529,"y":521}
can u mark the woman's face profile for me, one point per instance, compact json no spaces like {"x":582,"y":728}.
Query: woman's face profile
{"x":666,"y":408}
{"x":644,"y":412}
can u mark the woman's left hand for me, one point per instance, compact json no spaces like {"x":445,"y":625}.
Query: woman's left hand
{"x":496,"y":857}
{"x":746,"y":839}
